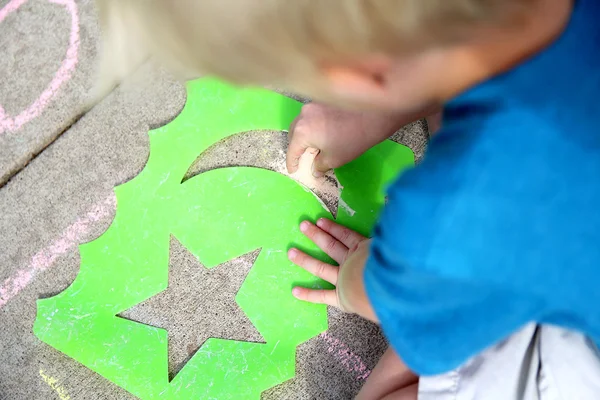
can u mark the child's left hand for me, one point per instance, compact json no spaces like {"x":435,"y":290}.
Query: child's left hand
{"x":350,"y":250}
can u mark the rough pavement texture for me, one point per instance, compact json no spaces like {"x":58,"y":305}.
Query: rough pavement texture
{"x":64,"y":197}
{"x":47,"y":63}
{"x":207,"y":296}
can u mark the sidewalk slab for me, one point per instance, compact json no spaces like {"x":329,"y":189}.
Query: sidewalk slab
{"x":48,"y":53}
{"x":64,"y":197}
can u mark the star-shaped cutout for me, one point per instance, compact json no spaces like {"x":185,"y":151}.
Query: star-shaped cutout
{"x":198,"y":304}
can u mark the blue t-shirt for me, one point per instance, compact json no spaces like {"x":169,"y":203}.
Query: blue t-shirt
{"x":500,"y":224}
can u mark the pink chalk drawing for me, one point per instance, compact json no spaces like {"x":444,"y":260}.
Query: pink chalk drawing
{"x":46,"y":258}
{"x":351,"y":362}
{"x":64,"y":73}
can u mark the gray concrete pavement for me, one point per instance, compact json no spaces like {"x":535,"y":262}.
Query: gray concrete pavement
{"x":47,"y":60}
{"x":63,"y":197}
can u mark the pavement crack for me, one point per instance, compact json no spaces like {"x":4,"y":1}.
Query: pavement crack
{"x":12,"y":174}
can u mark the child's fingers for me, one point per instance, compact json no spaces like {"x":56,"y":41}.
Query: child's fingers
{"x":320,"y":167}
{"x":328,"y":297}
{"x":346,"y":236}
{"x":330,"y":245}
{"x":316,"y":267}
{"x":294,"y":151}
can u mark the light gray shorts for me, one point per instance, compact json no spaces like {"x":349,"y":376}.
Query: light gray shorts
{"x":539,"y":362}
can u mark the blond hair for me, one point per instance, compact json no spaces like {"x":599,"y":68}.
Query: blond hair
{"x":277,"y":41}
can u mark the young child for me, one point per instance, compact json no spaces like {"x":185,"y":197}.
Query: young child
{"x":497,"y":231}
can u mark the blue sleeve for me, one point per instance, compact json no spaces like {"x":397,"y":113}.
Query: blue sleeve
{"x":435,"y":324}
{"x":444,"y":277}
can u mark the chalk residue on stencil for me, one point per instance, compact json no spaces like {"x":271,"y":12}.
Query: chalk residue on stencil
{"x":346,"y":207}
{"x":266,"y":149}
{"x":327,"y":188}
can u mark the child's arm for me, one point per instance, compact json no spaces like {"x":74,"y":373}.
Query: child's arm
{"x":433,"y":320}
{"x":390,"y":379}
{"x":342,"y":135}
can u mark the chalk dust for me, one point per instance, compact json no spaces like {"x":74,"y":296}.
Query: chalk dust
{"x":327,"y":188}
{"x":345,"y":206}
{"x":266,"y":149}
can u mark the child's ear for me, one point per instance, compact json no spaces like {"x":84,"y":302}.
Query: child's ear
{"x":123,"y":45}
{"x":366,"y":81}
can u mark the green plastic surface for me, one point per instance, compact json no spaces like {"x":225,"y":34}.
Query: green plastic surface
{"x":217,"y":215}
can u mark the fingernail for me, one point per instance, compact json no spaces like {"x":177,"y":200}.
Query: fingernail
{"x":292,"y":253}
{"x":296,"y":291}
{"x":321,"y":222}
{"x":304,"y":226}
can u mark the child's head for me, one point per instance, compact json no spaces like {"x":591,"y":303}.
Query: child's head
{"x":386,"y":53}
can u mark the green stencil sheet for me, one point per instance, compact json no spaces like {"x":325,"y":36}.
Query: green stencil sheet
{"x":217,"y":215}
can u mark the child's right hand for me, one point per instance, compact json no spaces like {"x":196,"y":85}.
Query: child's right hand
{"x":340,"y":136}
